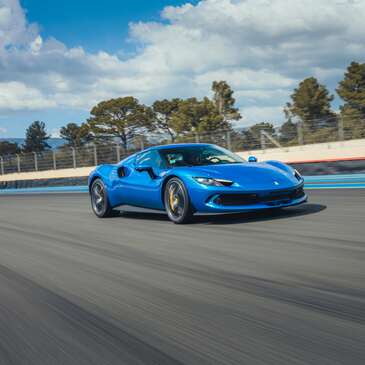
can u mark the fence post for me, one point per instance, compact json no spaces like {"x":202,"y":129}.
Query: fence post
{"x":341,"y":135}
{"x":73,"y":157}
{"x":2,"y":165}
{"x":142,"y":144}
{"x":95,"y":155}
{"x":35,"y":161}
{"x":300,"y":133}
{"x":262,"y":140}
{"x":54,"y":160}
{"x":229,"y":140}
{"x":18,"y":162}
{"x":264,"y":134}
{"x":118,"y":153}
{"x":197,"y":139}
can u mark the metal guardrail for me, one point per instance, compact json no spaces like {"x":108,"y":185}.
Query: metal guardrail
{"x":236,"y":140}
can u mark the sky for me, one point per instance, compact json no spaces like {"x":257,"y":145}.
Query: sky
{"x":59,"y":58}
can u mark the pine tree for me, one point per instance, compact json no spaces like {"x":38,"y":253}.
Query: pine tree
{"x":163,"y":116}
{"x":224,"y":101}
{"x":311,"y":103}
{"x":8,"y":148}
{"x":123,"y":118}
{"x":251,"y":137}
{"x":198,"y":116}
{"x":36,"y":138}
{"x":75,"y":135}
{"x":352,"y":91}
{"x":288,"y":132}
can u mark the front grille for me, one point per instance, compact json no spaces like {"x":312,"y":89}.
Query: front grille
{"x":236,"y":199}
{"x":270,"y":198}
{"x":283,"y":195}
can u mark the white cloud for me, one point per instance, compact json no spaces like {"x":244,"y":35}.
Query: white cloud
{"x":245,"y":78}
{"x":263,"y":48}
{"x":3,"y":130}
{"x":14,"y":30}
{"x":260,"y":114}
{"x":16,"y":95}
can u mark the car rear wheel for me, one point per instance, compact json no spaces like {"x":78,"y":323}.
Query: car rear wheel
{"x":177,"y":202}
{"x":99,"y":199}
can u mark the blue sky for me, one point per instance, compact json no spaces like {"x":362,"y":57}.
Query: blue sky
{"x":95,"y":25}
{"x":59,"y":58}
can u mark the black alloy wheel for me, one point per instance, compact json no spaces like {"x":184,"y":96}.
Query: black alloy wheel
{"x":177,"y":202}
{"x":99,"y":199}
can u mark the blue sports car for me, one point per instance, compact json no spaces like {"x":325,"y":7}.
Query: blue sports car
{"x":182,"y":179}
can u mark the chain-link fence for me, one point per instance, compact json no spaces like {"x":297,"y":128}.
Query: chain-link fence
{"x":258,"y":137}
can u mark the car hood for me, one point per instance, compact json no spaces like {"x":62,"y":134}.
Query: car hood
{"x":249,"y":175}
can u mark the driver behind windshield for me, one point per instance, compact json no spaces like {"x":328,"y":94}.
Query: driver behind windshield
{"x":198,"y":156}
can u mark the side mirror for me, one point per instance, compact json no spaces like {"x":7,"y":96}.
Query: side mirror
{"x":252,"y":159}
{"x":121,"y":171}
{"x":146,"y":168}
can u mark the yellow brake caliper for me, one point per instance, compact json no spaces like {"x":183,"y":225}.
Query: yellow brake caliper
{"x":173,"y":200}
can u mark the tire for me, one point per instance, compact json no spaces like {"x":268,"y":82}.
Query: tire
{"x":99,"y":200}
{"x":177,"y":202}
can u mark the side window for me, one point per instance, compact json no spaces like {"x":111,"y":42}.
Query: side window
{"x":151,"y":158}
{"x":175,"y":159}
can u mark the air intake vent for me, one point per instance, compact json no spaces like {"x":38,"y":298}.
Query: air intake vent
{"x":251,"y":199}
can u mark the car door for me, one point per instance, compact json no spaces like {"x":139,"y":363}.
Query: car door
{"x":140,"y":188}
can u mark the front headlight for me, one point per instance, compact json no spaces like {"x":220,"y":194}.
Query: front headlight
{"x":297,"y":175}
{"x":213,"y":182}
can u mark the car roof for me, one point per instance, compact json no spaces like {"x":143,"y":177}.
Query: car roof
{"x":177,"y":145}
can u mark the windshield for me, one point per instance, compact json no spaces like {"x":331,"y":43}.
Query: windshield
{"x":198,"y":156}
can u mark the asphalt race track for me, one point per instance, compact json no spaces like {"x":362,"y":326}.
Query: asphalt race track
{"x":251,"y":289}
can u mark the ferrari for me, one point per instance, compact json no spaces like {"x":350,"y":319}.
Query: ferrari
{"x":183,"y":179}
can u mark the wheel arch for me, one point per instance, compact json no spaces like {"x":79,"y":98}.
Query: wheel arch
{"x":93,"y":178}
{"x":163,"y":186}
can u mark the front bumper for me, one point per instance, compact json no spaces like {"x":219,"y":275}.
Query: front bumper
{"x":216,"y":201}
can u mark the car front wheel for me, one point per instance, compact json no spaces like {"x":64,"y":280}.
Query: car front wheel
{"x":99,"y":199}
{"x":177,"y":202}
